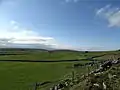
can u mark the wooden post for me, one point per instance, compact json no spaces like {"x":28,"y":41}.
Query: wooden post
{"x":88,"y":69}
{"x":35,"y":86}
{"x":73,"y":75}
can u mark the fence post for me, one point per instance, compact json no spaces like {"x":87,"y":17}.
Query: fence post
{"x":35,"y":86}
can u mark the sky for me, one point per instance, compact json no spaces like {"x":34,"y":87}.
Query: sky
{"x":60,"y":24}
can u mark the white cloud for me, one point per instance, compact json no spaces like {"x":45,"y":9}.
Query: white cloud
{"x":101,"y":10}
{"x":12,"y":22}
{"x":25,"y":38}
{"x":112,"y":15}
{"x":10,"y":37}
{"x":14,"y":25}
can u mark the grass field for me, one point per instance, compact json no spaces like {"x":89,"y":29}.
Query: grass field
{"x":44,"y":55}
{"x":23,"y":76}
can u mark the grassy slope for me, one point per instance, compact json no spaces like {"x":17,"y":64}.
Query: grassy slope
{"x":22,"y":76}
{"x":44,"y":56}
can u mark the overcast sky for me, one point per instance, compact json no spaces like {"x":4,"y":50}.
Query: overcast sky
{"x":60,"y":24}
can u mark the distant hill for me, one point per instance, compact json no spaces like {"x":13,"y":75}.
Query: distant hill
{"x":21,"y":49}
{"x":66,"y":50}
{"x":32,"y":49}
{"x":54,"y":50}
